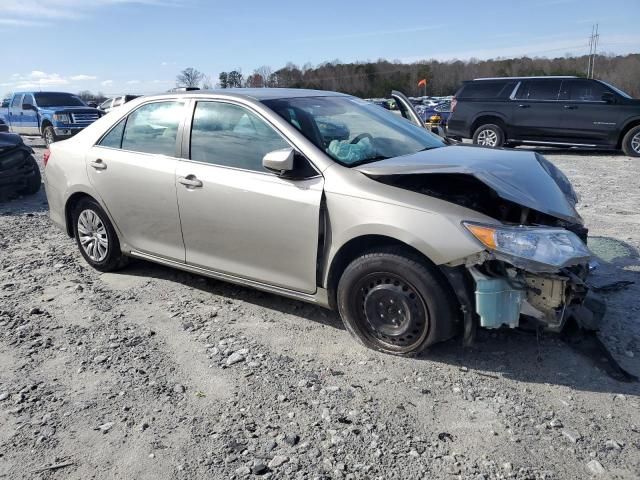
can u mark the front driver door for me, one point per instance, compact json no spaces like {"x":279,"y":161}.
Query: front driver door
{"x":133,"y":170}
{"x":237,"y":218}
{"x":29,"y":116}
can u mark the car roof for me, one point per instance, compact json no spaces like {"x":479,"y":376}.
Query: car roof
{"x":42,"y":91}
{"x":256,"y":93}
{"x":526,"y":78}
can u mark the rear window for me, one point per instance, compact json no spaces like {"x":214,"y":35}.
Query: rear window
{"x":484,"y":89}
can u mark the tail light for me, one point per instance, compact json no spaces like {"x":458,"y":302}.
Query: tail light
{"x":454,"y":102}
{"x":45,"y":157}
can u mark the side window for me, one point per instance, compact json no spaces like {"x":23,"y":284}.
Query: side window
{"x":229,"y":135}
{"x":17,"y":100}
{"x":539,"y":90}
{"x":117,"y":102}
{"x":106,"y":103}
{"x":28,"y":98}
{"x":113,"y":139}
{"x":153,"y":128}
{"x":486,"y":89}
{"x":582,"y":91}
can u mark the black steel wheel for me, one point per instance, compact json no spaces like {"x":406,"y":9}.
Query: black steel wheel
{"x":395,"y":302}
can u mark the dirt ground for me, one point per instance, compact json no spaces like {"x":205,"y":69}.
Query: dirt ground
{"x":151,"y":373}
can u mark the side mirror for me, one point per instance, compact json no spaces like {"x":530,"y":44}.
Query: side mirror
{"x":279,"y":161}
{"x":28,"y":106}
{"x":608,"y":97}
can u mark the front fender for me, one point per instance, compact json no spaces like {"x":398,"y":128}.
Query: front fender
{"x":439,"y":237}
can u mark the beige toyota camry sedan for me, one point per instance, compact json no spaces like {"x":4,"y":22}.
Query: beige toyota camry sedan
{"x":329,"y":199}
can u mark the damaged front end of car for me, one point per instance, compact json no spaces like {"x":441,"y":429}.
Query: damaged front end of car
{"x":535,"y":262}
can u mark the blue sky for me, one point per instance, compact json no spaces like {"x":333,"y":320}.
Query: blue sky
{"x":138,"y":46}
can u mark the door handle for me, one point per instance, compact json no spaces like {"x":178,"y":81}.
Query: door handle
{"x":570,"y":107}
{"x":190,"y":181}
{"x":98,"y":164}
{"x":524,"y":106}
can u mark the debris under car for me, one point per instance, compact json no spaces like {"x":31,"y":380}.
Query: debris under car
{"x":19,"y":171}
{"x":522,"y":274}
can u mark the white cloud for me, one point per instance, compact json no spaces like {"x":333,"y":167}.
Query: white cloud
{"x":106,"y":83}
{"x":83,"y":77}
{"x":133,"y":82}
{"x":43,"y":12}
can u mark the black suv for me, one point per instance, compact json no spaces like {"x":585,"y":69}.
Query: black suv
{"x":552,"y":111}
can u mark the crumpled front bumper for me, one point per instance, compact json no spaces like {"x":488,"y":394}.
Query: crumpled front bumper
{"x":495,"y":294}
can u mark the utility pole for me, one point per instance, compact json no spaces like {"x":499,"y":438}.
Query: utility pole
{"x":593,"y":49}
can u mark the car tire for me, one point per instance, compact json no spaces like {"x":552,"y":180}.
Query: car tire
{"x":631,"y":142}
{"x":393,"y":301}
{"x":34,"y":181}
{"x":489,"y":135}
{"x":96,"y":238}
{"x":49,"y":135}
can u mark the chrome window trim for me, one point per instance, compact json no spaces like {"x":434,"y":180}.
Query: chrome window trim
{"x":126,"y":119}
{"x":188,"y":128}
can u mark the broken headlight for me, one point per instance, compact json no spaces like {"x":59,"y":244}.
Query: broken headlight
{"x":532,"y":248}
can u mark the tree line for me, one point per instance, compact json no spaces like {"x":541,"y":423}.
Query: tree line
{"x":377,"y":79}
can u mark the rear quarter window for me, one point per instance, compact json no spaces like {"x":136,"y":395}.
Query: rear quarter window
{"x":485,"y":89}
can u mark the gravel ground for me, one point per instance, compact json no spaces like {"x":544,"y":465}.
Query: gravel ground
{"x":154,"y":373}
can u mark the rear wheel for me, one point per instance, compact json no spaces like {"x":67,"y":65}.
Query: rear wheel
{"x":393,"y":302}
{"x":631,"y":142}
{"x":489,"y":135}
{"x":96,"y":237}
{"x":49,"y":135}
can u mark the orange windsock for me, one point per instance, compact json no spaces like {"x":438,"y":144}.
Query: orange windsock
{"x":422,"y":83}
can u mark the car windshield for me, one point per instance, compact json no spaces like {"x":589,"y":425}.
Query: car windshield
{"x":50,"y":99}
{"x":352,"y":131}
{"x":620,"y":92}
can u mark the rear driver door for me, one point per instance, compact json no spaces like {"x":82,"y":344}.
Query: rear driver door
{"x":133,"y":170}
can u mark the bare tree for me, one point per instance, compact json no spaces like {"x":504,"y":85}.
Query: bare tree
{"x":207,"y":84}
{"x":189,"y":77}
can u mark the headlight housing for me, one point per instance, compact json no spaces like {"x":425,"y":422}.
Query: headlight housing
{"x":532,"y":248}
{"x":61,"y":117}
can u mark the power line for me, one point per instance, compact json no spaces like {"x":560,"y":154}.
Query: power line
{"x":593,"y":49}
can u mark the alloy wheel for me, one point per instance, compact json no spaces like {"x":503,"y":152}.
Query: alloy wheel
{"x":635,"y":143}
{"x":488,"y":138}
{"x":92,"y":234}
{"x":48,"y":137}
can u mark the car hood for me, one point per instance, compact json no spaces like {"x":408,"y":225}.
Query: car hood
{"x":69,"y":109}
{"x":525,"y":178}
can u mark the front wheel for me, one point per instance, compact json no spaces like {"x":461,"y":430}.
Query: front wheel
{"x":96,"y":237}
{"x":34,"y":180}
{"x":631,"y":142}
{"x":489,"y":135}
{"x":394,"y":302}
{"x":49,"y":135}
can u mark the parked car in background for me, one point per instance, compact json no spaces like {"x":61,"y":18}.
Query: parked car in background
{"x":19,"y":171}
{"x":116,"y":102}
{"x":326,"y":198}
{"x":551,"y":111}
{"x":53,"y":115}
